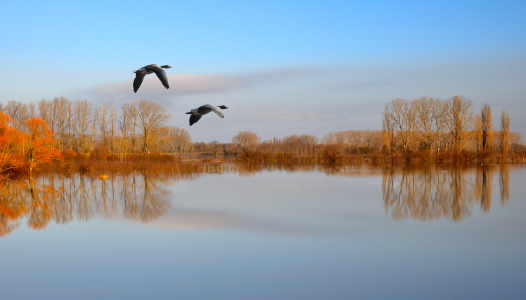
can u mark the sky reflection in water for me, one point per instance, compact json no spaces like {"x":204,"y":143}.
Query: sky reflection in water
{"x":330,"y":233}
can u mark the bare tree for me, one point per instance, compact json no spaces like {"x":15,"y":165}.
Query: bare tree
{"x":505,"y":133}
{"x":180,"y":139}
{"x":59,"y":108}
{"x":387,"y":130}
{"x":46,"y":113}
{"x":247,"y":140}
{"x":102,"y":114}
{"x":32,"y":110}
{"x":93,"y":126}
{"x":129,"y":123}
{"x":113,"y":120}
{"x":82,"y":115}
{"x":70,"y":124}
{"x":402,"y":117}
{"x":152,"y":116}
{"x":18,"y":112}
{"x":460,"y":121}
{"x":439,"y":114}
{"x":424,"y":110}
{"x":486,"y":127}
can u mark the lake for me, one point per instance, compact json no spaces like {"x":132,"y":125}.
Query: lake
{"x":301,"y":232}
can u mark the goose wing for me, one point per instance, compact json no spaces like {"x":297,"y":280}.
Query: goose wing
{"x":215,"y":109}
{"x":161,"y":74}
{"x":137,"y":81}
{"x":194,"y":119}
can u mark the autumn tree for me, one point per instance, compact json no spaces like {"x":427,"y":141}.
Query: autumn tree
{"x":180,"y":139}
{"x":387,"y":131}
{"x":215,"y":147}
{"x":299,"y":144}
{"x":60,"y":106}
{"x":18,"y":112}
{"x":424,"y":110}
{"x":439,"y":113}
{"x":486,"y":127}
{"x":113,"y":126}
{"x":152,"y":116}
{"x":46,"y":112}
{"x":504,"y":142}
{"x":125,"y":124}
{"x":11,"y":144}
{"x":128,"y":124}
{"x":402,"y":119}
{"x":102,"y":114}
{"x":39,"y":146}
{"x":247,"y":140}
{"x":93,"y":127}
{"x":70,"y":124}
{"x":82,"y":116}
{"x":460,"y":121}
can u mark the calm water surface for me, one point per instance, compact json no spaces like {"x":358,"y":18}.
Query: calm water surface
{"x":312,"y":233}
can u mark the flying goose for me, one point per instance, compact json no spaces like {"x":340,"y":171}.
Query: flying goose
{"x":197,"y":113}
{"x":149,"y":69}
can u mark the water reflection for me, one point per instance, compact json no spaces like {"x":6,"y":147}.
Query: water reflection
{"x":329,"y":169}
{"x":423,"y":194}
{"x":504,"y":181}
{"x":81,"y":197}
{"x":433,"y":193}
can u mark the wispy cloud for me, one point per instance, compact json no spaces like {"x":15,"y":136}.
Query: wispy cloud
{"x":282,"y":115}
{"x":198,"y":83}
{"x":179,"y":84}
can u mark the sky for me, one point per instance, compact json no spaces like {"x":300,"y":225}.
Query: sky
{"x":282,"y":67}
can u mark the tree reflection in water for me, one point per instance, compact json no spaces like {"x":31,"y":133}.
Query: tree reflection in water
{"x":423,"y":194}
{"x":12,"y":206}
{"x":80,"y":197}
{"x":504,"y":181}
{"x":432,"y":193}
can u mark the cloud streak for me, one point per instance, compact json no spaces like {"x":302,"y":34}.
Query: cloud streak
{"x":179,"y":84}
{"x":282,"y":115}
{"x":187,"y":84}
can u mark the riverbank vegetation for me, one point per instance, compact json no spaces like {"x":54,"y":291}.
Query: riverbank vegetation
{"x":77,"y":136}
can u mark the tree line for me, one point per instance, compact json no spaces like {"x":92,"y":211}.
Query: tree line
{"x":428,"y":125}
{"x":450,"y":125}
{"x":82,"y":127}
{"x":141,"y":127}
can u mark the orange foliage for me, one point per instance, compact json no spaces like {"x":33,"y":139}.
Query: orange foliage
{"x":39,"y":144}
{"x":10,"y":144}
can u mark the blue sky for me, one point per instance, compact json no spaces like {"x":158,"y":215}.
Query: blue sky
{"x":283,"y":67}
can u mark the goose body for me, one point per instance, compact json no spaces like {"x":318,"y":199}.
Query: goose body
{"x":197,"y":113}
{"x":149,"y":69}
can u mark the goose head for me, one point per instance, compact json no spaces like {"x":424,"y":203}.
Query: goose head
{"x":223,"y":107}
{"x":166,"y":67}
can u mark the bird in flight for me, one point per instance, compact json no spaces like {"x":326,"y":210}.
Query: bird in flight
{"x":149,"y":69}
{"x":197,"y":113}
